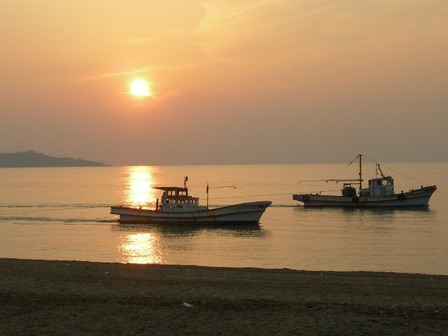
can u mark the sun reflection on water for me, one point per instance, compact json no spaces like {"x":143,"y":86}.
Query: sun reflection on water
{"x":140,"y":248}
{"x":140,"y":182}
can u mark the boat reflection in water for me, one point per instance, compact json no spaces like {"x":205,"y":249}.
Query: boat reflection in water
{"x":140,"y":248}
{"x":140,"y":190}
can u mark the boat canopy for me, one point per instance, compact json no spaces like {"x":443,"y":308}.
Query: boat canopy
{"x":174,"y":191}
{"x":171,"y":188}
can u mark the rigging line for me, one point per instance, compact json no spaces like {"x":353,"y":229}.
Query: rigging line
{"x":302,"y":181}
{"x":357,"y":156}
{"x":252,"y":196}
{"x":227,"y":186}
{"x":365,"y":157}
{"x":396,"y":171}
{"x":336,"y":180}
{"x":402,"y":174}
{"x":318,"y":192}
{"x":370,"y":159}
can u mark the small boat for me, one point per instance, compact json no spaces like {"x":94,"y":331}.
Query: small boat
{"x":178,"y":207}
{"x":379,"y":193}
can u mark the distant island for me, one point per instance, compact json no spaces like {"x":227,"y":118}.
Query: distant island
{"x":33,"y":159}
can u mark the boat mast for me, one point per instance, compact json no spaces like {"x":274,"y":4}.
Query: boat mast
{"x":207,"y":193}
{"x":360,"y":172}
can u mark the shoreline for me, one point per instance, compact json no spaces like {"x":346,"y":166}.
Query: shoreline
{"x":77,"y":297}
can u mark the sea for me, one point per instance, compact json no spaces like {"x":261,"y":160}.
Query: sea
{"x":64,"y":214}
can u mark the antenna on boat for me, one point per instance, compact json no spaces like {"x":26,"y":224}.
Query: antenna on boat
{"x":360,"y":173}
{"x":207,"y":193}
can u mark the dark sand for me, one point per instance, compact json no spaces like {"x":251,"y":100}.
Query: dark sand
{"x":82,"y":298}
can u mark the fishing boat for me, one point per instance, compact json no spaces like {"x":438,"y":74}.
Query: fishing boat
{"x":178,"y":207}
{"x":379,"y":193}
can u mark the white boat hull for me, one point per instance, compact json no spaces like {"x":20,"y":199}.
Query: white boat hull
{"x":413,"y":198}
{"x":243,"y":213}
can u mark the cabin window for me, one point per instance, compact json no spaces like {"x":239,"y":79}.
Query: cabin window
{"x":383,"y":182}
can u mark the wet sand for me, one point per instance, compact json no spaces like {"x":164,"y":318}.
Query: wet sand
{"x":83,"y":298}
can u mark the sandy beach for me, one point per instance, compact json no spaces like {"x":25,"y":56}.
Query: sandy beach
{"x":84,"y":298}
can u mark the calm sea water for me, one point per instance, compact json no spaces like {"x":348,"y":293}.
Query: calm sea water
{"x":63,"y":214}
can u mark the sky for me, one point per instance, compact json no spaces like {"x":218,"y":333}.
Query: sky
{"x":230,"y":82}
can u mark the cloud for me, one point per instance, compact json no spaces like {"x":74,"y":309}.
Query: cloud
{"x":268,"y":30}
{"x":115,"y":74}
{"x":219,"y":13}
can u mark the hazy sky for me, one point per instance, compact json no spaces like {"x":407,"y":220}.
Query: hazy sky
{"x":235,"y":81}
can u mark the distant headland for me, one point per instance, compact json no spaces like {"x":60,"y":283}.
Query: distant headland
{"x":34,"y":159}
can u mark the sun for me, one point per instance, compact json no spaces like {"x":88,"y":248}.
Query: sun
{"x":140,"y":88}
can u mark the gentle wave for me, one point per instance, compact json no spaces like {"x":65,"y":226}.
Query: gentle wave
{"x":56,"y":219}
{"x":273,"y":205}
{"x":55,"y":206}
{"x":106,"y":206}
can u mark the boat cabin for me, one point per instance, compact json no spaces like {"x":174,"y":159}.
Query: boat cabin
{"x":177,"y":199}
{"x":380,"y":186}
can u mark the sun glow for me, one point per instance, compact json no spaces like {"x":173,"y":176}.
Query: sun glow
{"x":140,"y":191}
{"x":140,"y":88}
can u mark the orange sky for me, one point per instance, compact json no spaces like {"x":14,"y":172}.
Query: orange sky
{"x":236,"y":81}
